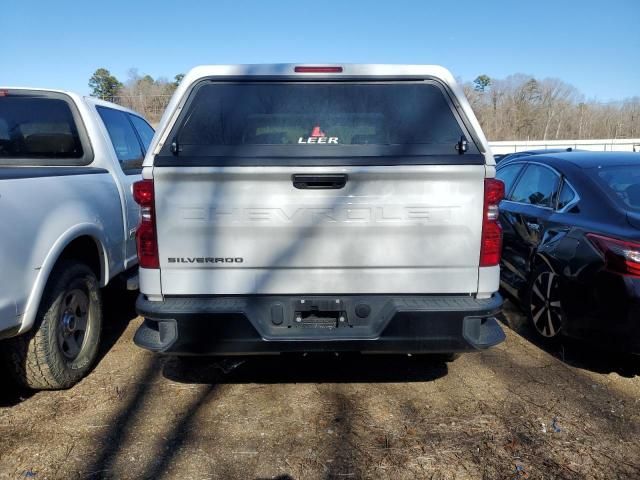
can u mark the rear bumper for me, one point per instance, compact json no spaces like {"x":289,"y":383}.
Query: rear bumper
{"x":277,"y":324}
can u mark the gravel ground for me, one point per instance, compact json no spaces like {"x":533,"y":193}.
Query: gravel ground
{"x":514,"y":412}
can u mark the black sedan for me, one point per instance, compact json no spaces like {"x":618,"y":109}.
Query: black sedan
{"x":571,"y":248}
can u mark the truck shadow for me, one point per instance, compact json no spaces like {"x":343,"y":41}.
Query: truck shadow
{"x":10,"y":392}
{"x":213,"y":373}
{"x":300,"y":368}
{"x":119,"y":308}
{"x":580,"y":354}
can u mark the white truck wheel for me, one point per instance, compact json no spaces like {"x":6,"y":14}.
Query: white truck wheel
{"x":64,"y":343}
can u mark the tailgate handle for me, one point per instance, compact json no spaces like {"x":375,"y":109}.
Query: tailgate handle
{"x":317,"y":182}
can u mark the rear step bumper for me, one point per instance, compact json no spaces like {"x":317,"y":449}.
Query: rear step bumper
{"x":277,"y":324}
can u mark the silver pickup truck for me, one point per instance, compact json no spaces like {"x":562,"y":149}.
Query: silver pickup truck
{"x":319,"y":208}
{"x":67,"y":221}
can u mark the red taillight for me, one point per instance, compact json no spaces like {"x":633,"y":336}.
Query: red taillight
{"x":146,"y":238}
{"x":491,"y":246}
{"x":620,"y":256}
{"x":143,"y":193}
{"x":318,"y":69}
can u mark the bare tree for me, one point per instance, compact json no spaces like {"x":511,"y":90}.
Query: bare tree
{"x":146,"y":95}
{"x":518,"y":107}
{"x":521,"y":107}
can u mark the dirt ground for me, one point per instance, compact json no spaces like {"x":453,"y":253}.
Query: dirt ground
{"x":517,"y":411}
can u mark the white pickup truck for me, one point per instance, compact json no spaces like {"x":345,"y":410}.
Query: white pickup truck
{"x":319,"y":208}
{"x":67,"y":223}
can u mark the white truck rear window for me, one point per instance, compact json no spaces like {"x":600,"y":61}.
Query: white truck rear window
{"x":38,"y":128}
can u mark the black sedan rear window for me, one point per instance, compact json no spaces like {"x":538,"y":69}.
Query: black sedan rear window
{"x":37,"y":128}
{"x":317,"y":117}
{"x":622,"y":183}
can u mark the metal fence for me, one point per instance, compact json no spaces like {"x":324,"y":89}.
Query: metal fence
{"x":597,"y":145}
{"x":151,"y":106}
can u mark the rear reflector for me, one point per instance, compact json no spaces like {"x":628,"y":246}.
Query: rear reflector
{"x":147,"y":244}
{"x":146,"y":238}
{"x":318,"y":69}
{"x":620,"y":256}
{"x":491,"y":243}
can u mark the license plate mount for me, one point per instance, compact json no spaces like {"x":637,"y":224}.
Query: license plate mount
{"x":319,"y":313}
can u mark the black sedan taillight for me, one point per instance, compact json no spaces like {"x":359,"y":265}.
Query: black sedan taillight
{"x":621,"y":256}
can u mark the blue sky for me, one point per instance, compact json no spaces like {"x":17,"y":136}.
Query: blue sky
{"x":594,"y":45}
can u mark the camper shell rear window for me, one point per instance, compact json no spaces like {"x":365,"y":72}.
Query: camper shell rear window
{"x":316,"y":120}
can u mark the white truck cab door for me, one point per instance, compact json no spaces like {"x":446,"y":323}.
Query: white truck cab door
{"x":130,"y":136}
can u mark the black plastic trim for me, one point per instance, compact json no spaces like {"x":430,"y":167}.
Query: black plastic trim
{"x":12,"y":173}
{"x":336,"y":159}
{"x":321,"y":181}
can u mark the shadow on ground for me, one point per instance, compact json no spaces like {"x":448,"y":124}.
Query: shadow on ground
{"x":119,"y":309}
{"x":580,"y":354}
{"x":311,"y":368}
{"x":211,"y":373}
{"x":10,"y":392}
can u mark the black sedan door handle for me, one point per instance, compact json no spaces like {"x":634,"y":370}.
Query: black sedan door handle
{"x":320,"y":181}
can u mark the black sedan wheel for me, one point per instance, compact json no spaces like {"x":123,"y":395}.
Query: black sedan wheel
{"x":544,"y":305}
